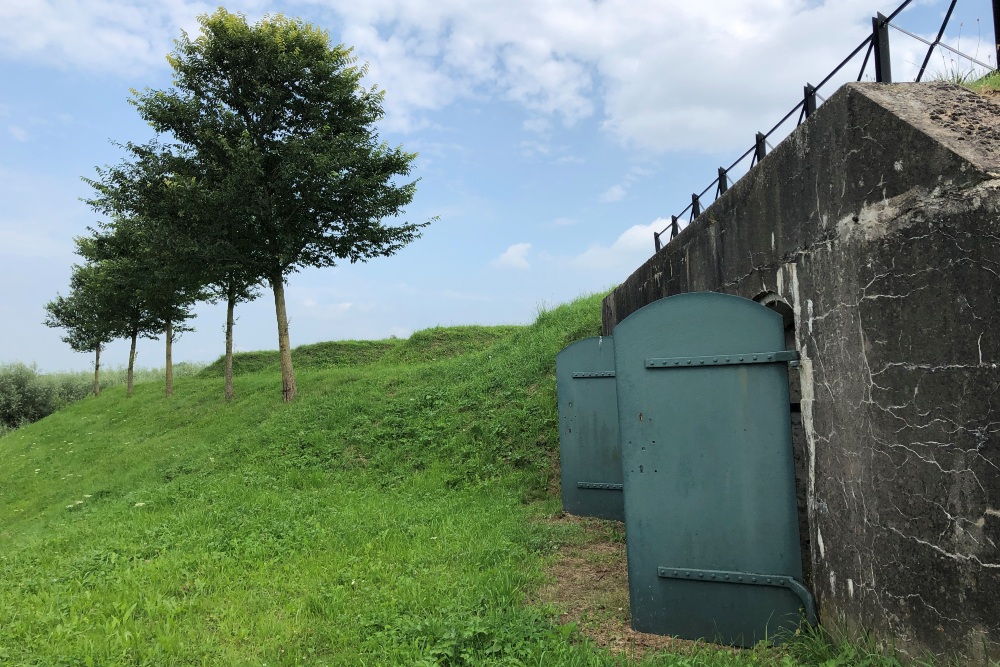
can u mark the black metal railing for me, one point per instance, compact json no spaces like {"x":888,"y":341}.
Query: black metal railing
{"x":877,"y":44}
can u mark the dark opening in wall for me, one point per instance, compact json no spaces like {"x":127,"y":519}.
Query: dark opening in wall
{"x":799,"y":448}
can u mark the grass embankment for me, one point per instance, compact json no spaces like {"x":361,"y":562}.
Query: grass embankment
{"x":27,"y":395}
{"x":389,"y":516}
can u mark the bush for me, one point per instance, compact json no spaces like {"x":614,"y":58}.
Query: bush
{"x":27,"y":395}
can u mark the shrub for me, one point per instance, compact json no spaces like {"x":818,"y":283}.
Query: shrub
{"x":27,"y":395}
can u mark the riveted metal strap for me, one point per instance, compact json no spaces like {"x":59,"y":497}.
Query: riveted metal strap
{"x":746,"y":579}
{"x":601,"y":374}
{"x":723,"y":359}
{"x":603,"y":486}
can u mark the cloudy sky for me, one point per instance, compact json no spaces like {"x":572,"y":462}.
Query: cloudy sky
{"x":553,"y":136}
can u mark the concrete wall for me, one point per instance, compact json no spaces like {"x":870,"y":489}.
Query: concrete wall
{"x":878,"y":223}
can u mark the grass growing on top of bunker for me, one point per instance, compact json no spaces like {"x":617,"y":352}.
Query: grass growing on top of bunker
{"x":987,"y":85}
{"x":400,"y":512}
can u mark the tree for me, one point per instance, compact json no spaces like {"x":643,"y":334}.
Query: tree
{"x":146,"y":198}
{"x":281,"y":113}
{"x":82,"y":314}
{"x":145,"y":293}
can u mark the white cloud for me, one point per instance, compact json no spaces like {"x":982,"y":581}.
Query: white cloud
{"x":514,"y":257}
{"x":563,"y":222}
{"x":660,"y":76}
{"x":618,"y":191}
{"x":633,"y":247}
{"x":612,"y":194}
{"x":19,"y":133}
{"x":118,"y":36}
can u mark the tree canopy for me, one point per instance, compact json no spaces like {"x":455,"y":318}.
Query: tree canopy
{"x":83,"y":315}
{"x":282,"y":141}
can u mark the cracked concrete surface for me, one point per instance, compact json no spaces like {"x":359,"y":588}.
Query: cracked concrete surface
{"x":878,"y":223}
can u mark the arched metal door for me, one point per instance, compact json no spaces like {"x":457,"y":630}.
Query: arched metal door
{"x":589,"y":450}
{"x":709,"y":482}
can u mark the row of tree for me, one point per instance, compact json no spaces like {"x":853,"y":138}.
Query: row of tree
{"x":267,"y":160}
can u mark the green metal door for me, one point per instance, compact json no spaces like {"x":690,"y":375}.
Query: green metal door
{"x":709,"y":484}
{"x":589,"y":449}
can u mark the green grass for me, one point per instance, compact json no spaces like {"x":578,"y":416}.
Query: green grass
{"x":988,"y":83}
{"x":389,"y":516}
{"x":27,"y":395}
{"x":428,"y":345}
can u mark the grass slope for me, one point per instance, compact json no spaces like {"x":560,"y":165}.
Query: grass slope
{"x":427,"y":345}
{"x":386,"y":517}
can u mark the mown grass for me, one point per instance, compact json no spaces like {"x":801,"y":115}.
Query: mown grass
{"x":389,"y":516}
{"x":27,"y":395}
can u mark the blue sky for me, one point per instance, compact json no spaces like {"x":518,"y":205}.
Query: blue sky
{"x":553,"y":137}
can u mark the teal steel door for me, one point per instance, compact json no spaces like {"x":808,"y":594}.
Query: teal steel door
{"x":589,"y":450}
{"x":709,"y":484}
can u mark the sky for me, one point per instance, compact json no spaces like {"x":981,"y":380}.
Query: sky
{"x":553,"y":138}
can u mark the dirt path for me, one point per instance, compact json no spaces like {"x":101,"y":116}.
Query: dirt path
{"x":589,"y":581}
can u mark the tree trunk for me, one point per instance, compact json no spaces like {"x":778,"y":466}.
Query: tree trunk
{"x":131,"y":363}
{"x":288,"y":389}
{"x":170,"y":359}
{"x":97,"y":370}
{"x":230,"y":307}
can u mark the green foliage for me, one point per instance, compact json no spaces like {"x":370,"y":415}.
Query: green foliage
{"x":82,"y":314}
{"x":378,"y":520}
{"x":817,"y":646}
{"x":27,"y":395}
{"x":278,"y":138}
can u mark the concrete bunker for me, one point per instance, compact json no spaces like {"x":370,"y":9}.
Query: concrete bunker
{"x":877,"y":223}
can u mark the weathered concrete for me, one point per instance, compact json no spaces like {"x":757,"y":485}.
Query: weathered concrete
{"x":878,"y":223}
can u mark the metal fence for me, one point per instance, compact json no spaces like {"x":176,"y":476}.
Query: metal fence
{"x":876,"y":47}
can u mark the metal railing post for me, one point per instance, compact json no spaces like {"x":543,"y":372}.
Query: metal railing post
{"x":809,"y":95}
{"x":761,"y":148}
{"x":996,"y":32}
{"x":724,"y":178}
{"x":695,"y":207}
{"x":880,"y":39}
{"x":656,"y":241}
{"x":674,"y":227}
{"x":937,"y":40}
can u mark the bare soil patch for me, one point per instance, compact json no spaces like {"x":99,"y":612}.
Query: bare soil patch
{"x":589,"y":583}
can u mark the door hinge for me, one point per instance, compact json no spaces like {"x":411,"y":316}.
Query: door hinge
{"x":723,"y":359}
{"x":746,"y":579}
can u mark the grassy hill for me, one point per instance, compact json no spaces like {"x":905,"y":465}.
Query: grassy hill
{"x":379,"y":519}
{"x":392,"y":515}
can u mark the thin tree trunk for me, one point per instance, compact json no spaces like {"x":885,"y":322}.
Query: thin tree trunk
{"x":288,"y":390}
{"x":230,"y":307}
{"x":170,"y":358}
{"x":97,"y":370}
{"x":131,"y":363}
